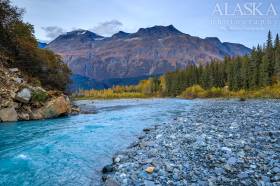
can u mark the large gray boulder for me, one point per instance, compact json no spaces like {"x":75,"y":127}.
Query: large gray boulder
{"x":8,"y":114}
{"x":24,"y":95}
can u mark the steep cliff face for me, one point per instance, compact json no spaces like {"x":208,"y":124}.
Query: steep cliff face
{"x":150,"y":51}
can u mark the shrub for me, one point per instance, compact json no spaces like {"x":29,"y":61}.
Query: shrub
{"x":215,"y":92}
{"x":109,"y":94}
{"x":239,"y":94}
{"x":268,"y":92}
{"x":39,"y":96}
{"x":194,"y":92}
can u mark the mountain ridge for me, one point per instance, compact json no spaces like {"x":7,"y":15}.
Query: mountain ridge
{"x":149,"y":51}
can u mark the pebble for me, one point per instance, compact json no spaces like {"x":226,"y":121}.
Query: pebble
{"x":276,"y":170}
{"x":111,"y":182}
{"x":117,"y":159}
{"x":219,"y":171}
{"x":232,"y":161}
{"x":149,"y":183}
{"x":107,"y":169}
{"x":215,"y":143}
{"x":150,"y":170}
{"x":242,"y":175}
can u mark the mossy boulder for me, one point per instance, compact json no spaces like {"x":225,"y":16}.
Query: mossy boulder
{"x":39,"y":96}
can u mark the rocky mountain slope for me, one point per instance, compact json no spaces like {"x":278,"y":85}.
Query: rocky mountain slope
{"x":22,"y":101}
{"x":149,"y":51}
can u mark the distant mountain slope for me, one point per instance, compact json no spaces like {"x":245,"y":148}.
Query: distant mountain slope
{"x":149,"y":51}
{"x":42,"y":45}
{"x":85,"y":83}
{"x":80,"y":82}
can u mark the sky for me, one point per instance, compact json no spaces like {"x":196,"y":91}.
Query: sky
{"x":238,"y":21}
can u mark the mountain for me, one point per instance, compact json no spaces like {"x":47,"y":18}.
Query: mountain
{"x":120,"y":35}
{"x":81,"y":82}
{"x":149,"y":51}
{"x":42,"y":45}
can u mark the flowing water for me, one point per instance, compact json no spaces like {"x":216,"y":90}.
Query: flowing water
{"x":73,"y":150}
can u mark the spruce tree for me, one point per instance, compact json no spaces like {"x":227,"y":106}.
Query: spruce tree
{"x":264,"y":78}
{"x":230,"y":75}
{"x":245,"y":72}
{"x":259,"y":69}
{"x":205,"y":77}
{"x":277,"y":58}
{"x":277,"y":41}
{"x":269,"y":57}
{"x":253,"y":70}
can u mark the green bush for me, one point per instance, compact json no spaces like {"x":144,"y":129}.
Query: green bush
{"x":39,"y":96}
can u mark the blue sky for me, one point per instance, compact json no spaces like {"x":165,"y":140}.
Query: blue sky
{"x":198,"y":18}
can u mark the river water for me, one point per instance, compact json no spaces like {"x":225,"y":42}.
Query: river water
{"x":73,"y":150}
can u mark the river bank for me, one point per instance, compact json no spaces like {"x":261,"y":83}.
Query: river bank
{"x":215,"y":143}
{"x":191,"y":93}
{"x":72,"y":150}
{"x":22,"y":100}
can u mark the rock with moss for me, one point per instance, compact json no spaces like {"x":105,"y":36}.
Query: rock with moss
{"x":22,"y":101}
{"x":39,"y":95}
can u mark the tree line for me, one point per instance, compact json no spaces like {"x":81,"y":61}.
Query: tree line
{"x":255,"y":71}
{"x":19,"y":48}
{"x":259,"y":69}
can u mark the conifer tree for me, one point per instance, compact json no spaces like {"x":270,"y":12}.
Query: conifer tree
{"x":205,"y":77}
{"x":253,"y":71}
{"x":277,"y":57}
{"x":248,"y":72}
{"x":277,"y":41}
{"x":244,"y":73}
{"x":264,"y":78}
{"x":269,"y":57}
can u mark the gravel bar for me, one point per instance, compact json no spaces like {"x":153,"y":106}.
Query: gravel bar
{"x":217,"y":142}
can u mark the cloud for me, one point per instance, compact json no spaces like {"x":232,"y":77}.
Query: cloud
{"x":107,"y":28}
{"x":53,"y":31}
